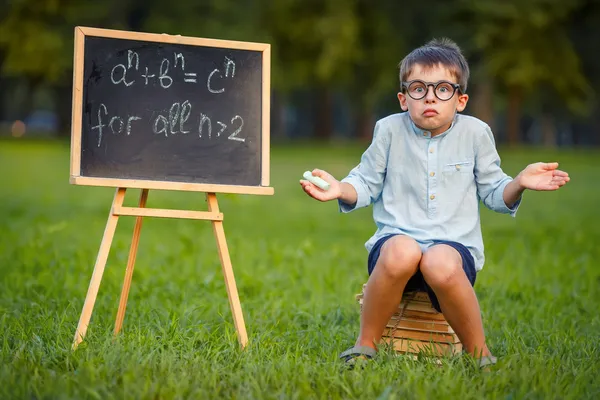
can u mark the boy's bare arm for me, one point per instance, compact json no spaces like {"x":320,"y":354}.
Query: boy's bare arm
{"x":347,"y":193}
{"x":512,"y":193}
{"x":539,"y":176}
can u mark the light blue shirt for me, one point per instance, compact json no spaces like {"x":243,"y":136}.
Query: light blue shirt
{"x":428,"y":187}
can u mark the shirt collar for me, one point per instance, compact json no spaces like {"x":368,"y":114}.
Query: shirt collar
{"x":424,"y":133}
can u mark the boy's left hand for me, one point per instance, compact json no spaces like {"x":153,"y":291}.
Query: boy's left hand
{"x":542,"y":176}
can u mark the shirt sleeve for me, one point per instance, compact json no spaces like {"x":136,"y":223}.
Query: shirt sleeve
{"x":368,"y":176}
{"x":490,"y":178}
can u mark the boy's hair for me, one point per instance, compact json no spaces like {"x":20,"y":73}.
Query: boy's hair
{"x":437,"y":51}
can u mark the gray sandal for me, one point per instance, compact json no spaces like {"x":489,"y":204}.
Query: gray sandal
{"x":356,"y":353}
{"x":487,"y":361}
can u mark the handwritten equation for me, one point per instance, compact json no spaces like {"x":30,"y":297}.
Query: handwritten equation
{"x":178,"y":120}
{"x":128,"y":74}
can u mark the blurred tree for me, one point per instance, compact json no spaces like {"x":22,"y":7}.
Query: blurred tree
{"x":314,"y":45}
{"x":389,"y":30}
{"x":538,"y":54}
{"x":32,"y":42}
{"x":36,"y":37}
{"x":218,"y":19}
{"x":374,"y":71}
{"x":583,"y":29}
{"x":526,"y":46}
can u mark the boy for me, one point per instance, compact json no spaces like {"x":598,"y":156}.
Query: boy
{"x":425,"y":172}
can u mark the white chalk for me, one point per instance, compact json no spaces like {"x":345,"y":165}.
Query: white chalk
{"x":316,"y":180}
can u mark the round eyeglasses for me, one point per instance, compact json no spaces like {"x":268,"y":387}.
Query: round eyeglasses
{"x":418,"y":89}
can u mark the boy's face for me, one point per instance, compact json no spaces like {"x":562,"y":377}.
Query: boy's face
{"x":430,"y":113}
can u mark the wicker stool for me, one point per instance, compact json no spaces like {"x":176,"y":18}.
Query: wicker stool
{"x":416,"y":327}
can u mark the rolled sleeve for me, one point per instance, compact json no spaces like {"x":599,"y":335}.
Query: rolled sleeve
{"x":491,"y":180}
{"x":363,"y":199}
{"x":367,"y":177}
{"x":498,"y":200}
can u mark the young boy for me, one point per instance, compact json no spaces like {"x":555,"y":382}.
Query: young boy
{"x":425,"y":172}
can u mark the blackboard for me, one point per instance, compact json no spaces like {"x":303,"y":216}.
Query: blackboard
{"x":172,"y":112}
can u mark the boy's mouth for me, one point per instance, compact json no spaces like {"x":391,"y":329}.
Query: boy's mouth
{"x":430,"y":112}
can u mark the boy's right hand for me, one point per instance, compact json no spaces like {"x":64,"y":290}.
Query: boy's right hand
{"x":315,"y":192}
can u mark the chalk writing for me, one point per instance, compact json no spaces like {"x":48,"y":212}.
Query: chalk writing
{"x":229,"y":64}
{"x":130,"y":57}
{"x":223,"y":127}
{"x":100,"y":125}
{"x":163,"y":129}
{"x":121,"y":74}
{"x":164,"y":68}
{"x":177,"y":119}
{"x":123,"y":78}
{"x":238,"y":130}
{"x":204,"y":120}
{"x":174,"y":122}
{"x":190,"y":77}
{"x":131,"y":118}
{"x":179,"y":56}
{"x":186,"y":110}
{"x":208,"y":83}
{"x":111,"y":124}
{"x":146,"y":76}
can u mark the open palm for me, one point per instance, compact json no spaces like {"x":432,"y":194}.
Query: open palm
{"x":543,"y":176}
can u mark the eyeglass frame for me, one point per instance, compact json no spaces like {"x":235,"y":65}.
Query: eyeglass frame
{"x":456,"y":87}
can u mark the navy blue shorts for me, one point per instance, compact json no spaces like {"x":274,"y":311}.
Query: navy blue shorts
{"x":417,"y":282}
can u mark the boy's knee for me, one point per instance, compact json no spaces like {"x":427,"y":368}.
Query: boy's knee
{"x":400,"y":256}
{"x":441,"y":265}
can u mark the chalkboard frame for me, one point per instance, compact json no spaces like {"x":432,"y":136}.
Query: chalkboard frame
{"x":76,"y":177}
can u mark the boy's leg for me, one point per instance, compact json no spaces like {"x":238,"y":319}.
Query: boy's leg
{"x":397,"y":263}
{"x":442,"y":269}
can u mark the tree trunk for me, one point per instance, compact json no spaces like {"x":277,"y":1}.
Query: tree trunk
{"x":324,"y":113}
{"x":483,"y":102}
{"x":28,"y":105}
{"x":63,"y":96}
{"x":513,"y":125}
{"x":277,"y":118}
{"x":364,"y":124}
{"x":548,"y":130}
{"x":596,"y":133}
{"x":4,"y":84}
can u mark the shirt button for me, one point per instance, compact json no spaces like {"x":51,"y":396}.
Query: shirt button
{"x":458,"y":167}
{"x":424,"y":133}
{"x":431,"y":150}
{"x":432,"y":174}
{"x":432,"y":197}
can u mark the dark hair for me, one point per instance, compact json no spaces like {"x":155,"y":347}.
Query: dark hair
{"x":442,"y":51}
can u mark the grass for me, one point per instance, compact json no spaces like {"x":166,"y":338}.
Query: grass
{"x":298,"y":264}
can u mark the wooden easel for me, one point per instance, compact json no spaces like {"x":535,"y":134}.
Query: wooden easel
{"x":207,"y":171}
{"x":140,"y":212}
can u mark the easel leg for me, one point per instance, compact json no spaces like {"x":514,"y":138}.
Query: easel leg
{"x":232,"y":293}
{"x":90,"y":298}
{"x":130,"y":264}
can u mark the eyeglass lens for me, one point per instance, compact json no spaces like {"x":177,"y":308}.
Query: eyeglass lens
{"x":443,"y":90}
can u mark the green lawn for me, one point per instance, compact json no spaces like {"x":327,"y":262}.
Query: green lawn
{"x":298,"y":264}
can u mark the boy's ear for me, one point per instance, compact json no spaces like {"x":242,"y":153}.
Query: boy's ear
{"x":462,"y":102}
{"x":403,"y":102}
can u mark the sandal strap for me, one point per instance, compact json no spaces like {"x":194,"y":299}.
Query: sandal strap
{"x":359,"y":351}
{"x":487,"y":360}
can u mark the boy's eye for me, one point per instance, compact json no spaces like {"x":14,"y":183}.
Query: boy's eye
{"x":444,"y":87}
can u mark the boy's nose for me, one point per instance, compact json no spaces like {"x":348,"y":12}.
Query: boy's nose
{"x":430,"y":96}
